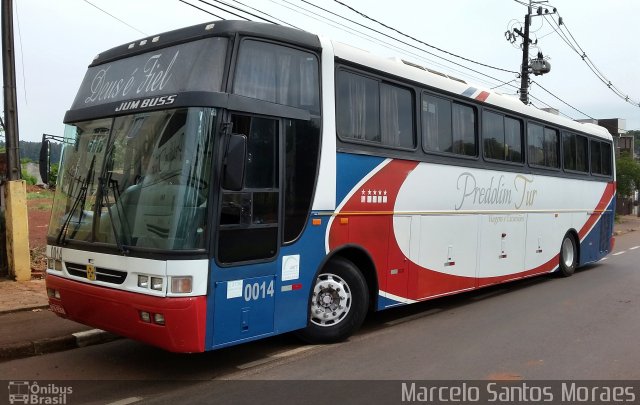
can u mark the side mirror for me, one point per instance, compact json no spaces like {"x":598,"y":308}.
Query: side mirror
{"x":234,"y":163}
{"x":44,"y":161}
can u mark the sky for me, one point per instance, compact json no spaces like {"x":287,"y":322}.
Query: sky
{"x":56,"y":40}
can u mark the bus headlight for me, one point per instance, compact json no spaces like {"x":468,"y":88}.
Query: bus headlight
{"x":181,"y":285}
{"x":54,"y":264}
{"x":143,"y":281}
{"x":156,"y":283}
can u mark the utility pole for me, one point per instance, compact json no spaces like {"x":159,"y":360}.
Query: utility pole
{"x":524,"y":73}
{"x":17,"y":229}
{"x":10,"y":98}
{"x":537,"y":66}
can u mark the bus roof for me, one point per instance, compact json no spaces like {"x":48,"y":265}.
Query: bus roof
{"x":418,"y":74}
{"x":211,"y":29}
{"x":394,"y":66}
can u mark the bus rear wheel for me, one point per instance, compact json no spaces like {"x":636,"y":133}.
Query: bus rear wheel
{"x":568,"y":256}
{"x":339,"y":303}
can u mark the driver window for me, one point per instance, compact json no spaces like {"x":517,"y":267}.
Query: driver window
{"x":249,"y":218}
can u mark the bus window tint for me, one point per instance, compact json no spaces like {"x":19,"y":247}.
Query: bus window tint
{"x":605,"y":150}
{"x":601,"y":158}
{"x":249,"y":218}
{"x":464,"y":130}
{"x":396,"y":118}
{"x":436,"y":123}
{"x":278,"y":74}
{"x":551,"y":148}
{"x":368,"y":110}
{"x":576,"y":152}
{"x":493,"y":135}
{"x":302,"y":140}
{"x":448,"y":127}
{"x":596,"y":159}
{"x":513,"y":140}
{"x":543,"y":146}
{"x":582,"y":153}
{"x":357,"y":107}
{"x":502,"y":137}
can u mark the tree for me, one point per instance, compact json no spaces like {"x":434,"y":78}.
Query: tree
{"x":636,"y":140}
{"x":627,"y":175}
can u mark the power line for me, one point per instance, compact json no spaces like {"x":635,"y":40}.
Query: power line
{"x":113,"y":16}
{"x":24,"y":79}
{"x":570,"y":40}
{"x":503,"y":84}
{"x":226,"y":11}
{"x":420,"y":41}
{"x":201,"y":9}
{"x":242,"y":10}
{"x":561,"y":100}
{"x":391,"y":37}
{"x":367,"y":37}
{"x":267,"y":14}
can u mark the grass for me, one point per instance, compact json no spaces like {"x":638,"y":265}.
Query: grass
{"x":37,"y":195}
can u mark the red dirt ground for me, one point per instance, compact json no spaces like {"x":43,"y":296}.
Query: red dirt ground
{"x":39,"y":212}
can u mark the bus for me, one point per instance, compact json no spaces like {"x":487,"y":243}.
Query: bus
{"x":236,"y":180}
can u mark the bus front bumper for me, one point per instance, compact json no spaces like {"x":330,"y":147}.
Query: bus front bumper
{"x":121,"y":312}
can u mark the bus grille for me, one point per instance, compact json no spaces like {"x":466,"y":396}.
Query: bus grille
{"x":102,"y":274}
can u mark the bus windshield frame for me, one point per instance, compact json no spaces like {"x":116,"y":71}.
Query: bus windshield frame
{"x":136,"y":181}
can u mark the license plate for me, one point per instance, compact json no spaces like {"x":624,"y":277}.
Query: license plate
{"x":57,"y":309}
{"x":91,"y":272}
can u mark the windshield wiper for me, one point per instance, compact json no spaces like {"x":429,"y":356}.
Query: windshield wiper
{"x":104,"y":194}
{"x":80,"y":200}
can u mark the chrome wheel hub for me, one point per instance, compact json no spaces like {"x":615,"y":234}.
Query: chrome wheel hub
{"x":331,"y":300}
{"x":567,"y":252}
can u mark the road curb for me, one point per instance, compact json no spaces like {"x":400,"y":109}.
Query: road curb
{"x":24,"y":309}
{"x":55,"y":344}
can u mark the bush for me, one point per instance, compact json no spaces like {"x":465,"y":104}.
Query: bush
{"x":53,"y":174}
{"x":31,"y":181}
{"x":627,"y":175}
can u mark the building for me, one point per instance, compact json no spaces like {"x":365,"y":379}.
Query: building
{"x":617,"y":128}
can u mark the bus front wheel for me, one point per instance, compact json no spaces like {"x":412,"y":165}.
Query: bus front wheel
{"x":339,"y":303}
{"x":568,"y":256}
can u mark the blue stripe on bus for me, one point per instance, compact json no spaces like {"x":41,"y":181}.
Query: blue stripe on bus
{"x":351,"y":169}
{"x":596,"y":244}
{"x":469,"y":92}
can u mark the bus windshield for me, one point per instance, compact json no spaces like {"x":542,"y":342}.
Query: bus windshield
{"x":140,"y":180}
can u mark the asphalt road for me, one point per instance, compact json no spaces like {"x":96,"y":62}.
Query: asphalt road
{"x":582,"y":327}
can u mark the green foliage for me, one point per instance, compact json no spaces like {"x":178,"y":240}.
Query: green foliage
{"x":636,"y":140}
{"x":25,"y":160}
{"x":28,"y":178}
{"x":31,"y":151}
{"x":627,"y":175}
{"x":43,"y":194}
{"x":53,"y":173}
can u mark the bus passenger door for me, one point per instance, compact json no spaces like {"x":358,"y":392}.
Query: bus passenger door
{"x":248,"y":237}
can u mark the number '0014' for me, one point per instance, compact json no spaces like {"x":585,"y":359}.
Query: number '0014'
{"x":256,"y":291}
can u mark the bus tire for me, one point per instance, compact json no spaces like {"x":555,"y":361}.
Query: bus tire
{"x":568,"y":256}
{"x":338,"y":305}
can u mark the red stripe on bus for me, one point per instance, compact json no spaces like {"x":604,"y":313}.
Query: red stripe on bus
{"x":482,"y":96}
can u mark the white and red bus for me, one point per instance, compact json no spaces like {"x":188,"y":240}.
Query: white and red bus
{"x":235,"y":180}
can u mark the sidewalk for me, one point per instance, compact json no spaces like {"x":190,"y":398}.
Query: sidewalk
{"x":28,"y":327}
{"x":625,"y":224}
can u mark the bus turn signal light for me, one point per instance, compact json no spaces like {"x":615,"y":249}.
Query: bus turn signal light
{"x":181,"y":285}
